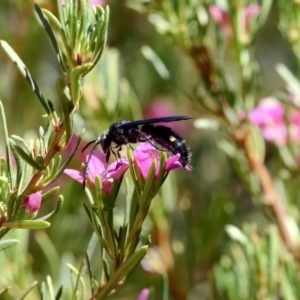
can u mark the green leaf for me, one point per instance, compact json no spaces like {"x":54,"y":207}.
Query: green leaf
{"x":27,"y":224}
{"x":7,"y":243}
{"x":88,"y":256}
{"x":4,"y":291}
{"x":26,"y":74}
{"x":7,"y":144}
{"x":102,"y":34}
{"x":79,"y":280}
{"x":274,"y":248}
{"x":148,"y":190}
{"x":49,"y":194}
{"x":72,"y":14}
{"x":76,"y":76}
{"x":157,"y":63}
{"x":34,"y":284}
{"x":59,"y":293}
{"x":26,"y":157}
{"x":292,"y":82}
{"x":53,"y":168}
{"x":46,"y":134}
{"x":124,"y":270}
{"x":83,"y":21}
{"x":50,"y":287}
{"x":98,"y":193}
{"x":286,"y":286}
{"x":50,"y":33}
{"x":236,"y":234}
{"x":165,"y":287}
{"x":59,"y":204}
{"x":67,"y":107}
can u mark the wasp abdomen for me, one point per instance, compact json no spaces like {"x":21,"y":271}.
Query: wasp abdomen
{"x":169,"y":140}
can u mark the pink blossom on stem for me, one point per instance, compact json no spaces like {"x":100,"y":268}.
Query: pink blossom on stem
{"x":294,"y":128}
{"x":91,"y":3}
{"x":144,"y":294}
{"x":161,"y":107}
{"x":222,"y":17}
{"x":249,"y":13}
{"x":32,"y":204}
{"x":114,"y":172}
{"x":144,"y":156}
{"x":96,"y":2}
{"x":276,"y":125}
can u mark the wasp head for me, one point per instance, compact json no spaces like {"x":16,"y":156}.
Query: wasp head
{"x":105,"y":143}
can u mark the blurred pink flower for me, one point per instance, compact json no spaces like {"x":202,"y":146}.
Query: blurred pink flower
{"x":250,"y":12}
{"x":144,"y":294}
{"x":91,"y":4}
{"x":144,"y":156}
{"x":294,"y":128}
{"x":96,"y":2}
{"x":114,"y":172}
{"x":274,"y":124}
{"x":162,"y":107}
{"x":32,"y":204}
{"x":222,"y":17}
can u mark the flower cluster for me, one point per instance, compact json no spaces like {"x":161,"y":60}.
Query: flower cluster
{"x":276,"y":123}
{"x":144,"y":156}
{"x":222,"y":18}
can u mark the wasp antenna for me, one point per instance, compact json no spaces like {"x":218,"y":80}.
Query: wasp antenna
{"x":88,"y":160}
{"x":88,"y":144}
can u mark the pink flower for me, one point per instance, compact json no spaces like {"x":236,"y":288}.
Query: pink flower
{"x":269,"y":116}
{"x":96,"y":2}
{"x":109,"y":176}
{"x":294,"y":128}
{"x":222,"y":18}
{"x":144,"y":294}
{"x":249,"y":13}
{"x":32,"y":204}
{"x":162,"y":107}
{"x":145,"y":155}
{"x":275,"y":125}
{"x":91,"y":4}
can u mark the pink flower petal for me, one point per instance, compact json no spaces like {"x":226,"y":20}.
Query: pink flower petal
{"x":269,"y":111}
{"x":173,"y":163}
{"x":78,"y":176}
{"x":95,"y":167}
{"x":144,"y":294}
{"x":117,"y":169}
{"x":96,"y":2}
{"x":32,"y":203}
{"x":222,"y":18}
{"x":269,"y":116}
{"x":108,"y":176}
{"x":145,"y":154}
{"x":250,"y":12}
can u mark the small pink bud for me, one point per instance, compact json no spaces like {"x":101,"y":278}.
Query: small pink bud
{"x":32,"y":204}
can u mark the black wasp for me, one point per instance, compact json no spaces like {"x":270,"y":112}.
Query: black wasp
{"x":127,"y":132}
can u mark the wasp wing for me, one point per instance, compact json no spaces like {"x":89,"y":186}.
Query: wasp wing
{"x":154,"y":120}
